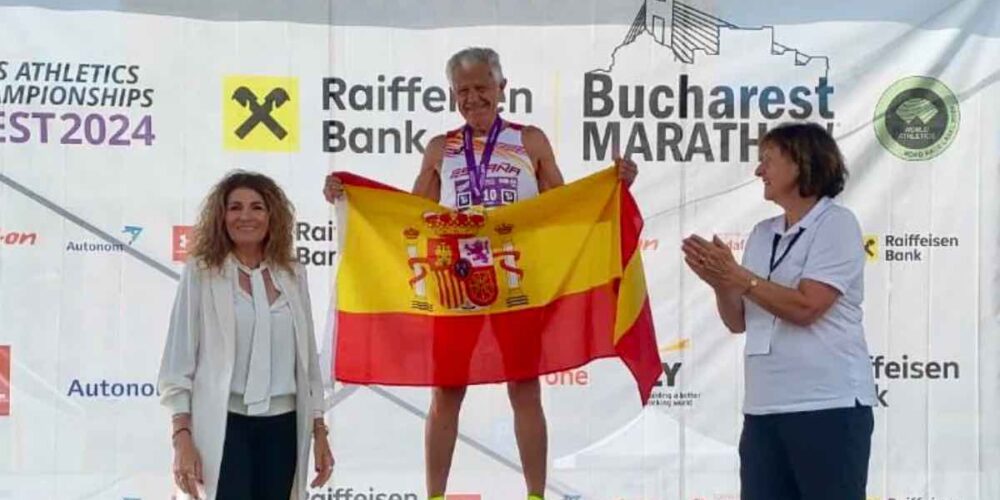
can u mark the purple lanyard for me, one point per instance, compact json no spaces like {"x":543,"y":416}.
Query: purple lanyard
{"x":477,"y":172}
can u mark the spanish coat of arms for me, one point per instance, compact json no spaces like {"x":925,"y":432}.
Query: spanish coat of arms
{"x":463,"y":263}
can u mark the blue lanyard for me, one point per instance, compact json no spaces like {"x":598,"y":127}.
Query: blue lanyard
{"x":774,"y":250}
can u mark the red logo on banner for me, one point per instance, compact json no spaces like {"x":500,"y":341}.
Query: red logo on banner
{"x":4,"y":380}
{"x":17,"y":238}
{"x":183,"y":242}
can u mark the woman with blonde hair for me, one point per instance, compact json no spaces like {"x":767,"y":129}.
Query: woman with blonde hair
{"x":240,"y":374}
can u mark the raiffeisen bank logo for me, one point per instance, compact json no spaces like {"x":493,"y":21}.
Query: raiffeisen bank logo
{"x":260,"y":113}
{"x":382,"y":114}
{"x":907,"y":247}
{"x":871,"y":247}
{"x":686,"y":86}
{"x":348,"y":493}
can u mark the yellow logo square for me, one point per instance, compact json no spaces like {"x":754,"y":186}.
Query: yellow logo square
{"x":871,"y":247}
{"x":260,"y":113}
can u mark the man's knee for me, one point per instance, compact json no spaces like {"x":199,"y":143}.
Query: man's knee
{"x":525,"y":394}
{"x":447,"y":399}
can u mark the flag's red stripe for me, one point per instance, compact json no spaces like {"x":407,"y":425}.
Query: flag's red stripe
{"x":637,"y":349}
{"x":637,"y":346}
{"x":419,"y":349}
{"x":630,"y":224}
{"x":357,"y":180}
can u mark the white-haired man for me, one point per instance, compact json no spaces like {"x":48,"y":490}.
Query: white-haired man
{"x":486,"y":163}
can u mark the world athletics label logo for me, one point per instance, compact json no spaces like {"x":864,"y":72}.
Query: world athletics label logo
{"x":917,"y":118}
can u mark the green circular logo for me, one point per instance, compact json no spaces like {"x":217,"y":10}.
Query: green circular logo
{"x":917,"y":118}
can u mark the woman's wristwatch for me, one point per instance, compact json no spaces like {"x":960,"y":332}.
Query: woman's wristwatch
{"x":752,"y":284}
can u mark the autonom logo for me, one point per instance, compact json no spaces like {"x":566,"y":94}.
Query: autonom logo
{"x":129,"y":235}
{"x":105,"y":389}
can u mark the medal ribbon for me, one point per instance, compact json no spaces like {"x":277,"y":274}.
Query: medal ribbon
{"x":477,"y":171}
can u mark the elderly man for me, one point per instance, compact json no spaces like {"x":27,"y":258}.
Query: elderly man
{"x":486,"y":163}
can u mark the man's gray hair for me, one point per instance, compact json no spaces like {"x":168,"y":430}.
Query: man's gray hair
{"x":475,"y":55}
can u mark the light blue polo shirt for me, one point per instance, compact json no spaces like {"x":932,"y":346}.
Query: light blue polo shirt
{"x":790,"y":368}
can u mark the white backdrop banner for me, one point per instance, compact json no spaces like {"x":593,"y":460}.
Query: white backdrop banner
{"x":117,"y":117}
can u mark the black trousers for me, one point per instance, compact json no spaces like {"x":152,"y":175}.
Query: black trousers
{"x":811,"y":455}
{"x":258,"y":458}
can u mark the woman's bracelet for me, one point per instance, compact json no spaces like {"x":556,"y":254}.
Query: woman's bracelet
{"x":320,"y":427}
{"x":178,"y":431}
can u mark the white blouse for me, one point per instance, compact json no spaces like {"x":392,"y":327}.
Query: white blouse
{"x":791,"y":368}
{"x":263,"y":381}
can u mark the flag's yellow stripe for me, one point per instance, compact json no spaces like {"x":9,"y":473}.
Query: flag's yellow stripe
{"x":631,"y":295}
{"x":567,"y":239}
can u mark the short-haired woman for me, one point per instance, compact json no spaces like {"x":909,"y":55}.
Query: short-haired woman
{"x":809,"y":386}
{"x":240,"y":373}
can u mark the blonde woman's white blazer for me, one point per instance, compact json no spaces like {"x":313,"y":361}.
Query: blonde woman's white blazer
{"x":199,"y":356}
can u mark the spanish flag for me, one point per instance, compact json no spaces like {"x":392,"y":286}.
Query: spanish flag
{"x":432,"y":297}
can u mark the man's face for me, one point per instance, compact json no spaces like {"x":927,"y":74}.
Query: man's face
{"x":477,"y":94}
